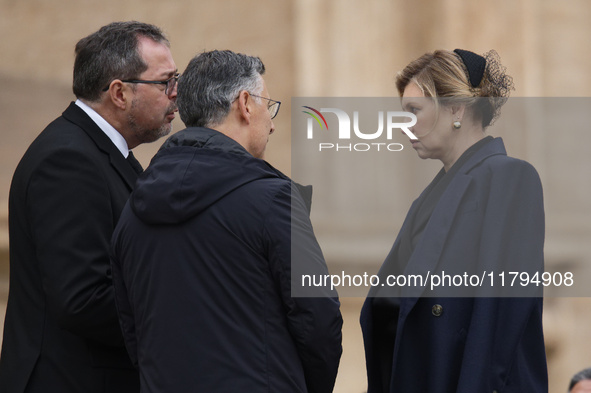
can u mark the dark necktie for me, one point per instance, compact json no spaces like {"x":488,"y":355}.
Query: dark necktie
{"x":135,"y":164}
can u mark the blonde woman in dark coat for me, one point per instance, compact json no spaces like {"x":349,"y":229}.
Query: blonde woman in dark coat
{"x":482,"y":212}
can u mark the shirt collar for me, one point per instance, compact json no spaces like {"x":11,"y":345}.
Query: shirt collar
{"x":108,"y":129}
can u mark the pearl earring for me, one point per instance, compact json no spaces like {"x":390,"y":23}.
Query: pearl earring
{"x":457,"y":125}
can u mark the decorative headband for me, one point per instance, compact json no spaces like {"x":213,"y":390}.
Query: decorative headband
{"x":475,"y":65}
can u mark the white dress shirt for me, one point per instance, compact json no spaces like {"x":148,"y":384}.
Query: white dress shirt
{"x":108,"y":129}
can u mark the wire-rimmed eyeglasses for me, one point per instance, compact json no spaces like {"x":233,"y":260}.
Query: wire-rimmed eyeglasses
{"x":273,"y":106}
{"x":170,"y":83}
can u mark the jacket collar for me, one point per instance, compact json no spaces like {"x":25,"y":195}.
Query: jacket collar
{"x":492,"y":148}
{"x":77,"y":116}
{"x":208,"y":138}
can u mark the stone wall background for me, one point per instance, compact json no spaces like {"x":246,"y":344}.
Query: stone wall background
{"x":339,"y":48}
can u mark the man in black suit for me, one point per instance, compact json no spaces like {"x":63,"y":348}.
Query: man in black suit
{"x":61,"y":331}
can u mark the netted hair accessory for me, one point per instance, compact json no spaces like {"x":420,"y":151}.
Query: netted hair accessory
{"x":497,"y":85}
{"x":489,"y":83}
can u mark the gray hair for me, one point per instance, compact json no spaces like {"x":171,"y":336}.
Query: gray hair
{"x":111,"y":53}
{"x":211,"y":83}
{"x":578,"y":377}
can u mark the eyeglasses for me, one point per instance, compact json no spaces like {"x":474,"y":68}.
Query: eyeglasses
{"x":273,"y":106}
{"x":170,"y":83}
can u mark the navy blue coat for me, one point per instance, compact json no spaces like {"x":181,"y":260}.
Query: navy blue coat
{"x":491,"y":214}
{"x":202,"y":273}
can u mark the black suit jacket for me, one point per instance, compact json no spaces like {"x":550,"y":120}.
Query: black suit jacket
{"x":61,"y":330}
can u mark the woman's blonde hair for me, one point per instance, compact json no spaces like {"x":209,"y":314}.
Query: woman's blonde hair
{"x":443,"y":75}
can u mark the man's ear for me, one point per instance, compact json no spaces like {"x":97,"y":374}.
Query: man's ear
{"x":245,"y":102}
{"x":118,"y":94}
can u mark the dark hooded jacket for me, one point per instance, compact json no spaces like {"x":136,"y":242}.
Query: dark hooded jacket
{"x":202,"y":274}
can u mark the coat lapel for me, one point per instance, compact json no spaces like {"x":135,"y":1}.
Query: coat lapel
{"x":425,"y":258}
{"x":427,"y":253}
{"x":77,"y":116}
{"x":390,"y":260}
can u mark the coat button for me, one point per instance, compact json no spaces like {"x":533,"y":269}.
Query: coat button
{"x":437,"y":310}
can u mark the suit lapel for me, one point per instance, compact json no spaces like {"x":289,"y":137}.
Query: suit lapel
{"x":77,"y":116}
{"x":124,"y":168}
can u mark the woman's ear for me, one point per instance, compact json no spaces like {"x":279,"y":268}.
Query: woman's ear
{"x":458,"y":112}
